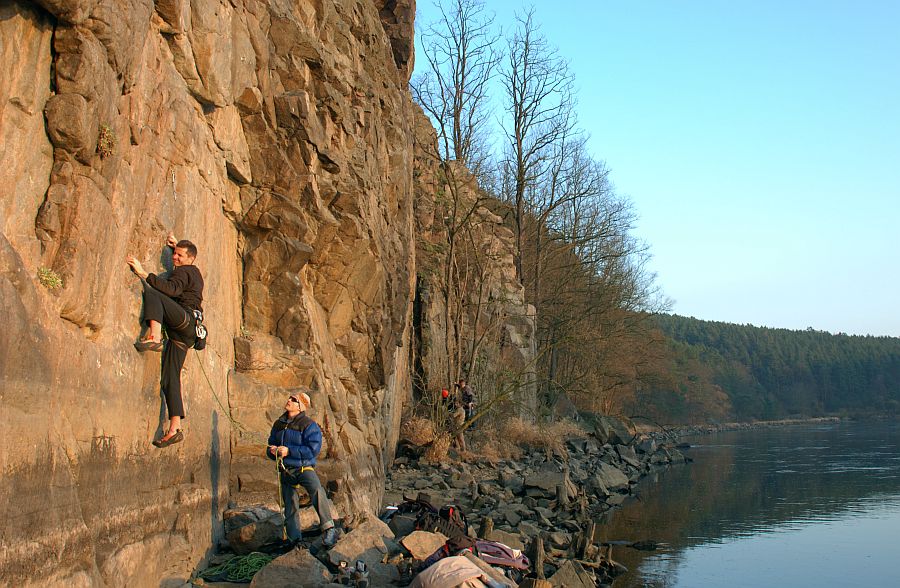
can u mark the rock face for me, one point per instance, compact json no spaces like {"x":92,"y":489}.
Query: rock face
{"x":277,"y":137}
{"x":477,"y":324}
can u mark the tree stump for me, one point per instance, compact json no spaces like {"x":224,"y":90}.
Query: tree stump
{"x":538,"y":555}
{"x":562,"y":496}
{"x":487,"y":527}
{"x":588,"y":540}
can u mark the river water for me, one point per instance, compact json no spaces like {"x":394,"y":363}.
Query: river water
{"x":801,"y":506}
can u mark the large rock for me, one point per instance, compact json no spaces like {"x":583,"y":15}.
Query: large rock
{"x":295,"y":568}
{"x":609,"y":429}
{"x":305,"y":232}
{"x":548,"y":478}
{"x":571,"y":575}
{"x":248,"y":529}
{"x":628,"y":455}
{"x":368,"y":542}
{"x":610,"y":477}
{"x":421,"y":544}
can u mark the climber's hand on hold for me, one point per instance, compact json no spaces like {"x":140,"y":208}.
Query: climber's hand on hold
{"x":136,"y":266}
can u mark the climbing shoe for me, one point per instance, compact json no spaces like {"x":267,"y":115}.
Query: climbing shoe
{"x":148,"y":345}
{"x":331,"y":536}
{"x":178,"y":437}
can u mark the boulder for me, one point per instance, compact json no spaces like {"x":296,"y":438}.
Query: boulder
{"x":296,"y":568}
{"x":249,"y":529}
{"x":402,"y":524}
{"x":572,"y":575}
{"x":626,"y":452}
{"x":548,"y":478}
{"x":370,"y":542}
{"x":611,"y":430}
{"x":511,"y":481}
{"x":514,"y":540}
{"x":647,"y":445}
{"x":421,"y":544}
{"x":610,"y":477}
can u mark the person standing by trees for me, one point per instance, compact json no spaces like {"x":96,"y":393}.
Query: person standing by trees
{"x":467,"y":395}
{"x":171,"y":302}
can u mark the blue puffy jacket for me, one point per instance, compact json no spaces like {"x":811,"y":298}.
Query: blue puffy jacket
{"x":301,"y":435}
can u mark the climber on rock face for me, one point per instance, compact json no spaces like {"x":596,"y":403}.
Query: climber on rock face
{"x":296,"y":440}
{"x":171,"y":302}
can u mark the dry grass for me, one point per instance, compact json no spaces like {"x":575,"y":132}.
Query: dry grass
{"x":490,"y":448}
{"x":542,"y":436}
{"x":437,"y":451}
{"x":417,"y":430}
{"x":513,"y":437}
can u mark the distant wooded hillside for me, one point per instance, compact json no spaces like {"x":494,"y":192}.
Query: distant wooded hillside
{"x":720,"y":371}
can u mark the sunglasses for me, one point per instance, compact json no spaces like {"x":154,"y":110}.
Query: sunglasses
{"x":293,"y":399}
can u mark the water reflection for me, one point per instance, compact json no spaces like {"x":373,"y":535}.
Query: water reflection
{"x":819,"y":505}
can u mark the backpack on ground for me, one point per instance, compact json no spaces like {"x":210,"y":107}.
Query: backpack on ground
{"x":417,"y":506}
{"x":450,"y":520}
{"x":455,"y":515}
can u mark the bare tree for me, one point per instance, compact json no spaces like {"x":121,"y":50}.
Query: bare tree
{"x":460,"y":50}
{"x":581,"y":267}
{"x":540,"y":105}
{"x":462,"y":56}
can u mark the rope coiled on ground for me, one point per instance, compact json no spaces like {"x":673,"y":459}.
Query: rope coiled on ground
{"x":240,"y":568}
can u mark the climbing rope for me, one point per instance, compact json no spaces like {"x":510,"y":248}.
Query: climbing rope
{"x":279,"y":460}
{"x":234,"y":423}
{"x":240,"y":568}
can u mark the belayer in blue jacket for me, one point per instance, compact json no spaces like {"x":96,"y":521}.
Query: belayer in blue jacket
{"x":296,"y":439}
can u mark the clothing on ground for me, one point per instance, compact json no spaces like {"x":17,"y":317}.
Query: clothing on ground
{"x":450,"y":572}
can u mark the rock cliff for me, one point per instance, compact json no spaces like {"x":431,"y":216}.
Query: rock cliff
{"x":277,"y":136}
{"x":280,"y":137}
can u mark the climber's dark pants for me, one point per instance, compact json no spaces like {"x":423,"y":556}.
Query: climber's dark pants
{"x":179,"y":326}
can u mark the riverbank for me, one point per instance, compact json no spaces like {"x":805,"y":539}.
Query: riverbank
{"x":674,"y":431}
{"x":554,"y":498}
{"x":544,"y":503}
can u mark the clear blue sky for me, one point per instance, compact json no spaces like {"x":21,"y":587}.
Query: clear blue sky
{"x":759,"y":143}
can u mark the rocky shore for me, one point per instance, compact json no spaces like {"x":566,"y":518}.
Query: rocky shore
{"x":544,"y":504}
{"x":708,"y":429}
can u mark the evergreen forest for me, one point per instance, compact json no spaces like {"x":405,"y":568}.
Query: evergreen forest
{"x":714,"y":371}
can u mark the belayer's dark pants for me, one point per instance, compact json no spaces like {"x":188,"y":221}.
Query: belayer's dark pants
{"x":179,"y":326}
{"x":309,"y":480}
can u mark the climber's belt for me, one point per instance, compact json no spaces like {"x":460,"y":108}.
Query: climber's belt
{"x":296,"y":471}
